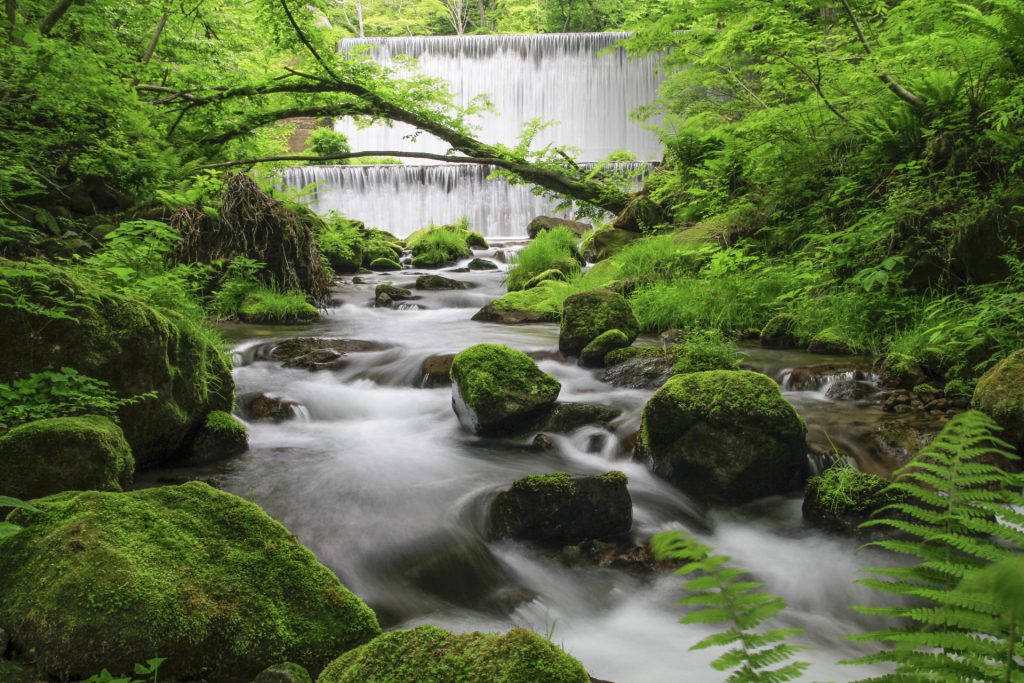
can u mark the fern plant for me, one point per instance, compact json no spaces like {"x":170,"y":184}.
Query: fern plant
{"x":959,"y":514}
{"x":7,"y":528}
{"x":722,"y":595}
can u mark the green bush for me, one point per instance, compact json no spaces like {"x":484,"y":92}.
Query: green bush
{"x":550,"y":249}
{"x":324,"y":142}
{"x":701,"y":350}
{"x":268,"y":305}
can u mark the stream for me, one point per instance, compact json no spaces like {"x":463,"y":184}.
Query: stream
{"x":378,"y":479}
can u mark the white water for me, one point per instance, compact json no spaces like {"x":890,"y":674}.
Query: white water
{"x":403,"y":199}
{"x":557,"y":77}
{"x":387,"y":489}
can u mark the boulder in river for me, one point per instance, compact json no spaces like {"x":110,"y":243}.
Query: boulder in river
{"x":778,"y":332}
{"x":263,"y":407}
{"x":64,"y":454}
{"x":440,"y":282}
{"x":385,"y":295}
{"x":566,"y":417}
{"x":201,"y":577}
{"x":517,"y":308}
{"x":561,"y":509}
{"x":307,"y":352}
{"x":1000,"y":395}
{"x":842,"y":498}
{"x":724,"y":435}
{"x":901,"y":371}
{"x":482,"y":264}
{"x":592,"y":355}
{"x":588,"y":315}
{"x":499,"y":390}
{"x":830,"y":341}
{"x":542,"y":223}
{"x":431,"y":653}
{"x":222,"y":436}
{"x":638,"y":367}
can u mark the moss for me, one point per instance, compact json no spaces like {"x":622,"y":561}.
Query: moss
{"x":188,"y":572}
{"x":341,"y":242}
{"x":475,"y":240}
{"x":1000,"y":395}
{"x":62,"y":454}
{"x":130,"y":345}
{"x":12,"y":672}
{"x":901,"y":370}
{"x":831,"y":341}
{"x":428,"y":654}
{"x":500,"y":386}
{"x":267,"y":306}
{"x":843,"y":497}
{"x":289,"y":672}
{"x":702,"y":350}
{"x":958,"y":388}
{"x":778,"y":332}
{"x":386,"y":264}
{"x":549,"y":274}
{"x":557,"y":481}
{"x":926,"y":391}
{"x":529,"y":305}
{"x":437,"y":246}
{"x":223,"y":435}
{"x":587,"y":315}
{"x":593,"y":354}
{"x":377,"y":249}
{"x":606,"y":242}
{"x":622,"y":355}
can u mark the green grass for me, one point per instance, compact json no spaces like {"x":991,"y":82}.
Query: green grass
{"x":551,"y":249}
{"x":661,"y":258}
{"x":269,"y":305}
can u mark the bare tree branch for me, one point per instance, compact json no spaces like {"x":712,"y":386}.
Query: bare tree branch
{"x":894,"y":85}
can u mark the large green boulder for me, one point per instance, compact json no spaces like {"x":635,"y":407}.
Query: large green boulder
{"x":563,"y":510}
{"x":68,"y":321}
{"x":588,"y":315}
{"x":428,"y":653}
{"x":1000,"y":395}
{"x":535,"y":305}
{"x":592,"y":355}
{"x":498,"y":390}
{"x":842,"y":498}
{"x":605,"y":243}
{"x":724,"y":435}
{"x":542,"y":223}
{"x":64,"y":454}
{"x":198,"y":576}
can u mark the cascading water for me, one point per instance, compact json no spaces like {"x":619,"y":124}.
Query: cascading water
{"x":403,"y":199}
{"x":558,"y":77}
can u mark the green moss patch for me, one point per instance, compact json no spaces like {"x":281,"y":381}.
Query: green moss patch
{"x":1000,"y":395}
{"x":268,"y":306}
{"x":588,"y":315}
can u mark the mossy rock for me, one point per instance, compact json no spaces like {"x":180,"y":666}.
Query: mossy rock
{"x":527,"y":306}
{"x":561,"y":509}
{"x":549,"y":274}
{"x":592,"y":355}
{"x":130,"y":345}
{"x":843,"y":498}
{"x":542,"y":223}
{"x":289,"y":672}
{"x":830,"y":341}
{"x":622,"y":355}
{"x":498,"y":390}
{"x":64,"y":454}
{"x":475,"y":240}
{"x":428,"y":653}
{"x":901,"y":371}
{"x":295,"y":311}
{"x":724,"y":435}
{"x":588,"y":315}
{"x":222,"y":436}
{"x":392,"y":291}
{"x":440,"y":282}
{"x":385,"y":264}
{"x":778,"y":332}
{"x":1000,"y":395}
{"x":605,"y":243}
{"x":201,"y":577}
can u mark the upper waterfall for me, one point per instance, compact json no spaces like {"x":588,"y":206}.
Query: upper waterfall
{"x":561,"y":77}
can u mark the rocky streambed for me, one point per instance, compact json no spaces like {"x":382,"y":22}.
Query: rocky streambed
{"x":355,"y":448}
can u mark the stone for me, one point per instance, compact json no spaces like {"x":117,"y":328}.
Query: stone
{"x":607,"y":242}
{"x":430,"y":653}
{"x":436,"y":370}
{"x":830,"y":341}
{"x":902,"y":372}
{"x":290,"y":351}
{"x":393,"y":292}
{"x":542,"y":223}
{"x":1000,"y":395}
{"x":318,"y":359}
{"x":506,"y":312}
{"x":560,"y":509}
{"x":222,"y":436}
{"x":842,"y":498}
{"x":288,"y":672}
{"x":851,"y":390}
{"x":44,"y":457}
{"x":440,"y":282}
{"x":592,"y":355}
{"x":646,"y":367}
{"x":498,"y":390}
{"x":265,"y":407}
{"x":570,"y":416}
{"x":482,"y":264}
{"x":724,"y":436}
{"x":588,"y":315}
{"x":778,"y":332}
{"x":204,"y":578}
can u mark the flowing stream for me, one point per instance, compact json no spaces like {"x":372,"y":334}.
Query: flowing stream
{"x":378,"y":479}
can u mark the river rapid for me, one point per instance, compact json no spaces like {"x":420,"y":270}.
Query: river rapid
{"x":376,"y":476}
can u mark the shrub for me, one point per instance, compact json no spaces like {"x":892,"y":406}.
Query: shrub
{"x":551,"y":249}
{"x":269,"y":306}
{"x":325,"y":142}
{"x":705,"y":350}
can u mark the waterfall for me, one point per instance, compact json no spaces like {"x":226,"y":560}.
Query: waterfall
{"x":402,"y":199}
{"x":559,"y":77}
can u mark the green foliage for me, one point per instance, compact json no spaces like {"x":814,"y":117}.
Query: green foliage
{"x":437,"y":246}
{"x":8,"y":529}
{"x":721,"y":594}
{"x":64,"y":393}
{"x":700,"y":350}
{"x":845,"y":490}
{"x":264,"y":304}
{"x":150,"y":670}
{"x":325,"y":142}
{"x":550,"y":249}
{"x":959,"y":514}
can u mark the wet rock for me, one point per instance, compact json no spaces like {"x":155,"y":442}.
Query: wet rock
{"x":588,"y":315}
{"x":382,"y":300}
{"x":1000,"y":395}
{"x":461,"y":571}
{"x":318,"y":359}
{"x":498,"y":390}
{"x":440,"y":282}
{"x":48,"y":456}
{"x":898,"y":441}
{"x":290,"y":350}
{"x":542,"y":442}
{"x":778,"y":332}
{"x":436,"y":370}
{"x":802,"y":379}
{"x":495,"y":313}
{"x":268,"y":408}
{"x":901,"y":371}
{"x":482,"y":264}
{"x":593,"y":354}
{"x":500,"y":256}
{"x":608,"y":242}
{"x":562,"y":509}
{"x":641,"y":371}
{"x":843,"y":498}
{"x":542,"y":223}
{"x":851,"y":390}
{"x":360,"y":280}
{"x":222,"y":436}
{"x":566,"y":417}
{"x":724,"y":435}
{"x":463,"y":269}
{"x":288,"y":672}
{"x":386,"y":294}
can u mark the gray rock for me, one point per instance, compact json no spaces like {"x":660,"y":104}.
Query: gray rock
{"x":440,"y":282}
{"x":482,"y":264}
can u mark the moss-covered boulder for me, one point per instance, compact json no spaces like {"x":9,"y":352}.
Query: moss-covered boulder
{"x":527,"y":306}
{"x":1000,"y":395}
{"x":269,"y":307}
{"x":830,"y":341}
{"x":386,"y":264}
{"x":201,"y":577}
{"x":64,"y":454}
{"x":544,"y":276}
{"x":724,"y":435}
{"x":778,"y":332}
{"x":428,"y":653}
{"x":605,"y":243}
{"x":842,"y":498}
{"x":76,"y":323}
{"x":592,"y":355}
{"x":475,"y":240}
{"x":440,"y":282}
{"x":902,"y":371}
{"x":392,"y":293}
{"x":289,"y":672}
{"x":222,"y":436}
{"x":482,"y":264}
{"x":588,"y":315}
{"x":542,"y":223}
{"x":497,"y":390}
{"x":561,"y":509}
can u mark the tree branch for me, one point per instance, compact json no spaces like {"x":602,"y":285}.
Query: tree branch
{"x":151,"y":48}
{"x":894,"y":85}
{"x":305,"y":41}
{"x":55,"y":15}
{"x":816,"y":83}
